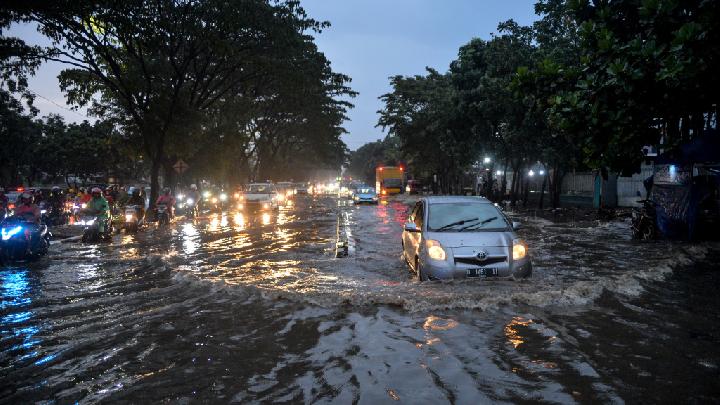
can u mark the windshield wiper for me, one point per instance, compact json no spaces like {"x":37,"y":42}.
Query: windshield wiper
{"x":476,"y":226}
{"x":461,"y":222}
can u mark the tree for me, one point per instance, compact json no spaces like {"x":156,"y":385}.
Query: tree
{"x":157,"y":66}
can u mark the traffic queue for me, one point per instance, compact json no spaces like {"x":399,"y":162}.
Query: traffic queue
{"x":28,"y":215}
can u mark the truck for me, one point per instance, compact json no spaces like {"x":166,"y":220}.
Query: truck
{"x":389,"y":180}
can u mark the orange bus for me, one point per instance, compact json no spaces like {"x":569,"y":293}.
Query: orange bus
{"x":389,"y":180}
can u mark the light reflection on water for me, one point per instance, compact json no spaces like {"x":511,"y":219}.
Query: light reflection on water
{"x":16,"y":293}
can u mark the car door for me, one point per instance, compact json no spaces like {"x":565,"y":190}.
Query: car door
{"x":412,"y":239}
{"x":407,"y":240}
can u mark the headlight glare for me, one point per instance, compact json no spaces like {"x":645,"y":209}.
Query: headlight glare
{"x":519,"y":249}
{"x":435,"y":250}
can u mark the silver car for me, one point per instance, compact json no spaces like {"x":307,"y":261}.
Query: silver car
{"x":463,"y":237}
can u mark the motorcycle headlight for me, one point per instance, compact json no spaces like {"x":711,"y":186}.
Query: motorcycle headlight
{"x":206,"y":194}
{"x":266,"y":205}
{"x":83,"y":205}
{"x":240,"y":206}
{"x":128,"y":217}
{"x":214,"y":200}
{"x":280,"y":198}
{"x":519,"y":249}
{"x":435,"y":250}
{"x":190,"y":201}
{"x":9,"y":233}
{"x":180,"y":196}
{"x":223,"y":197}
{"x":43,"y":211}
{"x":89,"y":222}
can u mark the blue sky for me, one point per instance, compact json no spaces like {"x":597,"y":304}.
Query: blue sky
{"x":369,"y":40}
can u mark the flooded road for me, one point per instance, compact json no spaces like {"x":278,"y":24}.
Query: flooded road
{"x":255,"y":307}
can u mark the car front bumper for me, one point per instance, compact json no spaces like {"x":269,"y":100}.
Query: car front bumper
{"x":499,"y":265}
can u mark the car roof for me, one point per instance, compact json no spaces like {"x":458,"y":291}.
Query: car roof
{"x":455,"y":199}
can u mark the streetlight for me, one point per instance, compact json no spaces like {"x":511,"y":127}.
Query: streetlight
{"x":486,"y":160}
{"x":531,"y":173}
{"x":542,"y":172}
{"x":498,"y":173}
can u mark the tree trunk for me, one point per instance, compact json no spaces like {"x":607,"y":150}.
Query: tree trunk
{"x":542,"y":191}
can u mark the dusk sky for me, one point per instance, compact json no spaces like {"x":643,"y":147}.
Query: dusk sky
{"x":369,"y":40}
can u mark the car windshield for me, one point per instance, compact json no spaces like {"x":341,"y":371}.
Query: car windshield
{"x":259,"y":189}
{"x":366,"y":191}
{"x":465,"y":217}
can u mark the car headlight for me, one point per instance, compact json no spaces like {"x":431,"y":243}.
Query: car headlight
{"x":266,"y":205}
{"x":519,"y":249}
{"x":435,"y":250}
{"x":223,"y":197}
{"x":9,"y":233}
{"x":237,"y":195}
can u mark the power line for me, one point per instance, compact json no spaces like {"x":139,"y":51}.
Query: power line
{"x":60,"y":106}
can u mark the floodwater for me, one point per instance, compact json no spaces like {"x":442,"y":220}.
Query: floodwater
{"x":254,"y":307}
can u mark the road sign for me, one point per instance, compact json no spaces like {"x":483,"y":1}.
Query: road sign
{"x":180,"y":166}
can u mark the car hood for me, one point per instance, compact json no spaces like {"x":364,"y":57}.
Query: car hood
{"x":461,"y":239}
{"x":366,"y":195}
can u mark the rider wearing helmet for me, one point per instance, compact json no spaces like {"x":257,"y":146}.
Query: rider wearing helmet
{"x":136,"y":199}
{"x":167,"y":199}
{"x":27,"y":210}
{"x":99,"y":207}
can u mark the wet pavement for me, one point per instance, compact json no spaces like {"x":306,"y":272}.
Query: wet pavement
{"x":254,"y":307}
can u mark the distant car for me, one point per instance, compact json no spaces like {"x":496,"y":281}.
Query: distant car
{"x":261,"y":196}
{"x":365,"y":196}
{"x":301,"y":188}
{"x":414,"y":187}
{"x":463,"y":237}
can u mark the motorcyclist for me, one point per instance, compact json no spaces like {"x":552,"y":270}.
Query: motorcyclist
{"x":167,"y":199}
{"x":99,"y":207}
{"x":27,"y":210}
{"x":136,"y":199}
{"x":194,"y":194}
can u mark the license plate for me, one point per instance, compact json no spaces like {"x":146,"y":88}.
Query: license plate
{"x":482,"y":272}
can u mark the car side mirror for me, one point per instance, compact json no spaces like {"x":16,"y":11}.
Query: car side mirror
{"x":516,"y":225}
{"x":411,"y":227}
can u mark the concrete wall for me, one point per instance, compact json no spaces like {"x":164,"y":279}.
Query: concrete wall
{"x":629,"y":189}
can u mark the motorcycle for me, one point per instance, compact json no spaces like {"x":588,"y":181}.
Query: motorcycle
{"x":133,"y":218}
{"x":188,"y":205}
{"x":644,"y":225}
{"x":22,"y":240}
{"x":162,"y":214}
{"x":92,"y":233}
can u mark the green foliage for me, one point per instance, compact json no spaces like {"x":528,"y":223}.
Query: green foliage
{"x":186,"y":79}
{"x":367,"y":158}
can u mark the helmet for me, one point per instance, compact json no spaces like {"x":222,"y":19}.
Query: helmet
{"x":193,"y":187}
{"x":26,"y":198}
{"x":131,"y":190}
{"x":166,"y":190}
{"x":96,"y":191}
{"x":55,"y":189}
